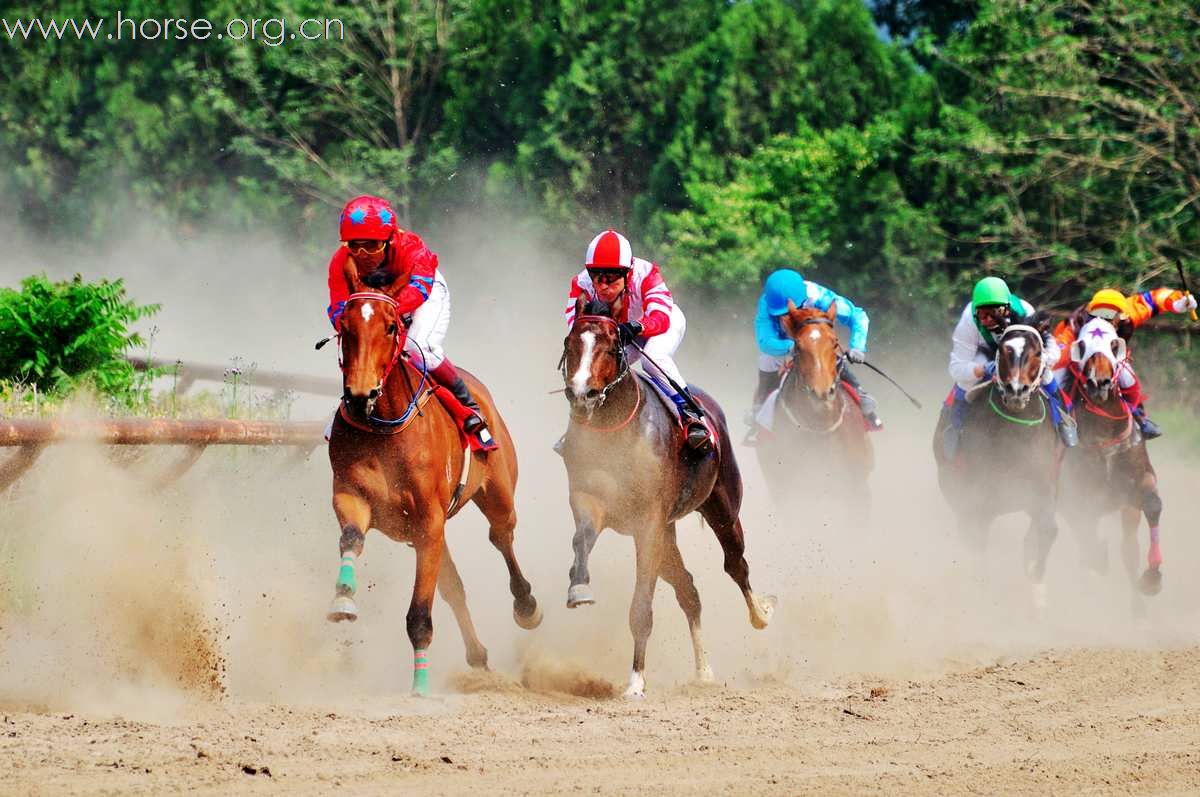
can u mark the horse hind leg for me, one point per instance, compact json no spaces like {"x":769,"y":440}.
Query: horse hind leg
{"x":451,"y":588}
{"x":728,"y":528}
{"x":675,"y":573}
{"x":497,"y":506}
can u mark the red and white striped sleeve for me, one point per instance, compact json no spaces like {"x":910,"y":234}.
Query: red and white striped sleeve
{"x":657,"y":303}
{"x":572,"y":297}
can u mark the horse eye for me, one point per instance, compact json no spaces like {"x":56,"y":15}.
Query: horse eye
{"x":391,"y":328}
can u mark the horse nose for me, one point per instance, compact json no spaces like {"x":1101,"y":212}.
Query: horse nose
{"x":374,"y":394}
{"x":592,"y":394}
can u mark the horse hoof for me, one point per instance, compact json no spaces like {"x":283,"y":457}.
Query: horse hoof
{"x":342,"y":608}
{"x":1039,"y":597}
{"x":705,"y":676}
{"x":1151,"y":582}
{"x":637,"y":687}
{"x":529,"y":621}
{"x":763,"y":608}
{"x":580,"y":595}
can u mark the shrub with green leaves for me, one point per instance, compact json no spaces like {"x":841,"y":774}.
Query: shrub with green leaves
{"x":59,"y":335}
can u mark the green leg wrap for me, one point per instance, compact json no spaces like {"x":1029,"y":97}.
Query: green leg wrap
{"x":420,"y":685}
{"x":347,"y":582}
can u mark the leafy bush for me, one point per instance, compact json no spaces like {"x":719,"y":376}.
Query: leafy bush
{"x":59,"y":335}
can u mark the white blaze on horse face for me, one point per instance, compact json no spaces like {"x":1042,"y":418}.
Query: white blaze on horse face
{"x":367,"y":311}
{"x":815,"y":334}
{"x":1017,"y":347}
{"x":579,"y":382}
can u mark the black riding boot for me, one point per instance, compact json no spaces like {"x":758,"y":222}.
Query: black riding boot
{"x":865,"y":400}
{"x":475,"y":423}
{"x":1150,"y":429}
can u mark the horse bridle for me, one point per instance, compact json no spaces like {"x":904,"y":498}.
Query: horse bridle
{"x":622,"y":360}
{"x":397,"y":336}
{"x":837,"y":344}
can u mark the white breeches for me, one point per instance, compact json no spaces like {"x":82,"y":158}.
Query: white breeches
{"x":661,"y":349}
{"x":430,"y":323}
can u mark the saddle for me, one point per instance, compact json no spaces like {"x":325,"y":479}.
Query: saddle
{"x":651,"y":386}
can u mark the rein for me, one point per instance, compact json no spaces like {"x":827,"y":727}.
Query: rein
{"x":1095,"y":409}
{"x":1013,"y":419}
{"x":625,"y":371}
{"x":420,"y":394}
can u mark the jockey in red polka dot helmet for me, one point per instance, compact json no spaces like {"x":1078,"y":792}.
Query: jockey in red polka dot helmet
{"x":383,"y":255}
{"x":633,"y":291}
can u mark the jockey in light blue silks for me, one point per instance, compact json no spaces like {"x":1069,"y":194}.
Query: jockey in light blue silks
{"x":775,"y":346}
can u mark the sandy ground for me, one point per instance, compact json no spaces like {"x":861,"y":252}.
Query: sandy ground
{"x":154,"y":640}
{"x":1069,"y":723}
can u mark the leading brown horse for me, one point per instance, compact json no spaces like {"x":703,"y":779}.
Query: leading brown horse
{"x":400,"y":465}
{"x":819,"y":434}
{"x":1111,"y":468}
{"x":629,"y":469}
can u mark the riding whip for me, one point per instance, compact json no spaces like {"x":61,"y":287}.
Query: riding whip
{"x":915,"y":403}
{"x":681,"y":391}
{"x":1183,"y":279}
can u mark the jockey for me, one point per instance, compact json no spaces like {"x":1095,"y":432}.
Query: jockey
{"x":775,"y":346}
{"x":1125,"y":313}
{"x":651,"y":318}
{"x":382,"y":254}
{"x":993,"y":307}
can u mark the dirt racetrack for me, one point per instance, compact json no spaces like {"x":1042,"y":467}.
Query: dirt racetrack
{"x":1099,"y":721}
{"x":167,"y":640}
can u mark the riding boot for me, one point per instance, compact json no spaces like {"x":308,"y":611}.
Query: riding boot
{"x":952,"y":436}
{"x":1064,"y":421}
{"x":1150,"y":429}
{"x":561,"y":445}
{"x":447,"y":376}
{"x":865,"y":401}
{"x":698,"y":437}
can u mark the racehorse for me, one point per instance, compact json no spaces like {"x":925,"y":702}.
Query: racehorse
{"x":1009,"y":454}
{"x":628,"y":470}
{"x":1111,"y":469}
{"x":818,"y":428}
{"x":400,"y":464}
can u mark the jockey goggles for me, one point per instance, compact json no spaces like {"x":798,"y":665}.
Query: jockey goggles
{"x":606,"y":276}
{"x":366,"y":247}
{"x":1107,"y":313}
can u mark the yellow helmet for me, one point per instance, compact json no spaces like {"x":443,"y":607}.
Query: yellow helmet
{"x":1109,"y":304}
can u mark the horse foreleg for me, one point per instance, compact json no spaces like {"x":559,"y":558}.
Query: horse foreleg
{"x":675,"y":573}
{"x":589,"y":520}
{"x":354,"y":516}
{"x":649,"y":544}
{"x":451,"y":587}
{"x":1151,"y":582}
{"x":725,"y":523}
{"x":497,"y":507}
{"x":429,"y":547}
{"x":1043,"y":529}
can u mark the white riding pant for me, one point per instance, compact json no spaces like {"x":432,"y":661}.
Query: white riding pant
{"x":430,"y":323}
{"x":661,"y":349}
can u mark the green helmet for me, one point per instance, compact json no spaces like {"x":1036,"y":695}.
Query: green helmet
{"x":990,"y":291}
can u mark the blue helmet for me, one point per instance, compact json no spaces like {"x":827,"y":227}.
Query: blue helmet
{"x":782,"y":285}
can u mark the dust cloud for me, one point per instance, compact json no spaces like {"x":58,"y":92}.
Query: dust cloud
{"x":116,"y":596}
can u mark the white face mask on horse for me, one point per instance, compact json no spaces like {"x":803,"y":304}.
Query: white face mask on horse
{"x":1098,"y":337}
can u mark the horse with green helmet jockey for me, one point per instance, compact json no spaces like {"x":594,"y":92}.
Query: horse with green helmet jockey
{"x":992,"y":309}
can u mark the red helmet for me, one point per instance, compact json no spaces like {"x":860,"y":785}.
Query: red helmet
{"x":609,"y":249}
{"x":367,"y":218}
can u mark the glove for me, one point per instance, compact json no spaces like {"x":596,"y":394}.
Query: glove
{"x":628,"y":331}
{"x":1185,"y":305}
{"x":989,"y":371}
{"x":856,"y":356}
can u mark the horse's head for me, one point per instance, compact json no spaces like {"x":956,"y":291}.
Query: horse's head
{"x":593,"y":358}
{"x":371,"y":340}
{"x":815,"y":357}
{"x":1019,"y":364}
{"x":1096,"y":352}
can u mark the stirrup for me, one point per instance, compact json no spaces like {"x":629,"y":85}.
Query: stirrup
{"x":699,"y":439}
{"x":1068,"y":433}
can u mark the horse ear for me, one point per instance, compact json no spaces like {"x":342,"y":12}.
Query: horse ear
{"x":350,"y":271}
{"x":618,"y":306}
{"x":831,"y":313}
{"x":788,"y":319}
{"x":580,"y":305}
{"x":1040,"y":321}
